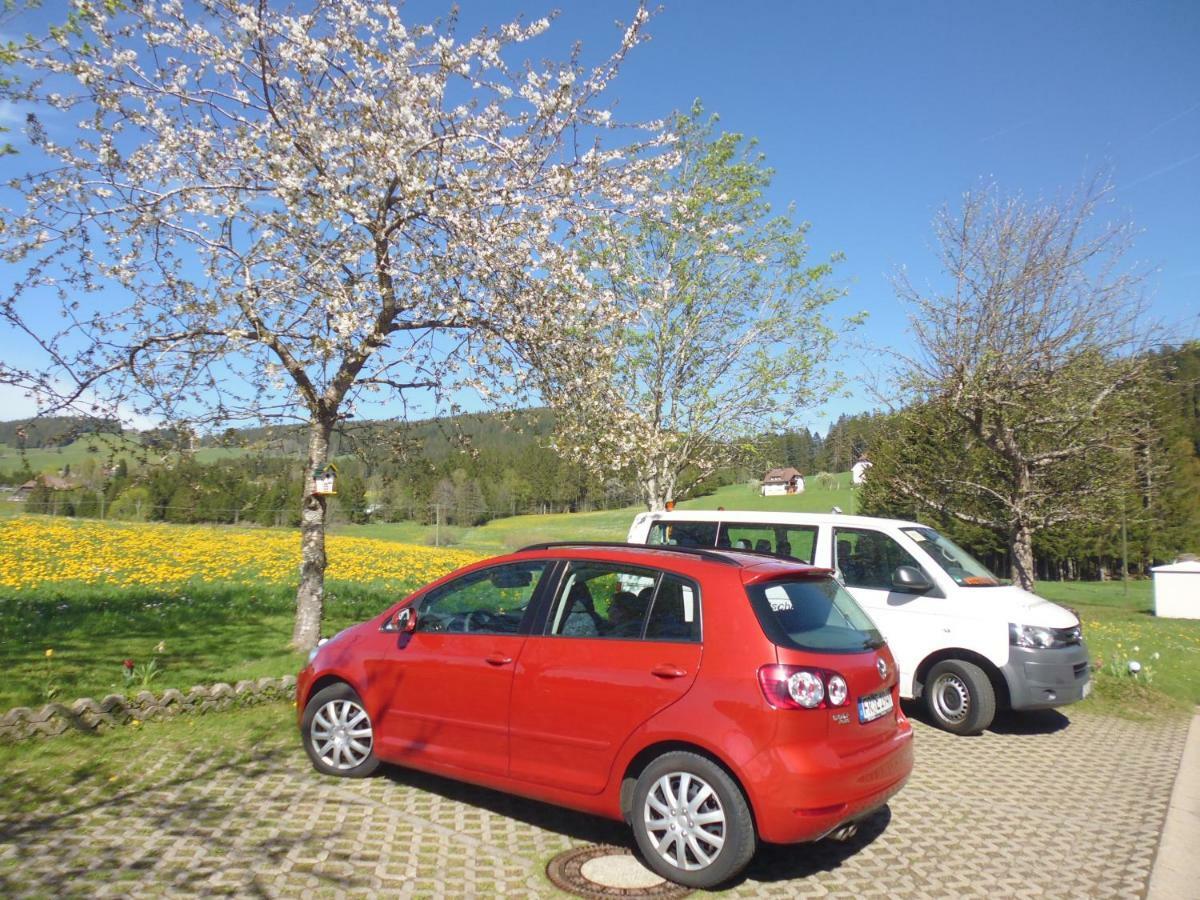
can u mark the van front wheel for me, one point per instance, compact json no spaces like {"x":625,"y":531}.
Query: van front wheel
{"x":959,"y":697}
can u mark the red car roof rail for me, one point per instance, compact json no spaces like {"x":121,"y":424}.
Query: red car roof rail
{"x":709,"y":554}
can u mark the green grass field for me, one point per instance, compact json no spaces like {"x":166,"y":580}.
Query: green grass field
{"x":208,"y":633}
{"x":1119,"y":626}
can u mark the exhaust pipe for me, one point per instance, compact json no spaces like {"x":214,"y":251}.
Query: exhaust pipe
{"x":844,"y":832}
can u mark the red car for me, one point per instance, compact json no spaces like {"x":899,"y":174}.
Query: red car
{"x":709,"y":698}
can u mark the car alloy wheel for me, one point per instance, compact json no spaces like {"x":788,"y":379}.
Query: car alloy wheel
{"x":341,"y":734}
{"x":685,"y":821}
{"x":338,"y":733}
{"x":691,"y":820}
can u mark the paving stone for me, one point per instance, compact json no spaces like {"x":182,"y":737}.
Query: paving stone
{"x":1071,"y":810}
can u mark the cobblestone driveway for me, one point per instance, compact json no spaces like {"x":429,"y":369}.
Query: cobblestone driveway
{"x":1064,"y":808}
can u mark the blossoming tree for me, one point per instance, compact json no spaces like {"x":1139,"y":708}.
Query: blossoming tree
{"x":726,"y":333}
{"x":287,"y":211}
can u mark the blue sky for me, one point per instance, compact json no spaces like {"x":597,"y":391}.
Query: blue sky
{"x":874,"y":114}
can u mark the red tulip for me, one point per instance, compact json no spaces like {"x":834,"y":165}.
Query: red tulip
{"x":128,"y":664}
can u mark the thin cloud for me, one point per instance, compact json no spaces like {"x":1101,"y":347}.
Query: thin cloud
{"x":1163,"y":171}
{"x":1009,"y":128}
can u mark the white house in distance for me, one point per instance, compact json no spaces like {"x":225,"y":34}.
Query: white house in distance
{"x":782,"y":481}
{"x":858,"y":471}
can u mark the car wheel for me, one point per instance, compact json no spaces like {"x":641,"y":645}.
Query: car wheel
{"x":691,"y":820}
{"x":959,"y":697}
{"x":338,"y":734}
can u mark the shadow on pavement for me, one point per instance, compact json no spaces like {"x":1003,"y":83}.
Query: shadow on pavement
{"x":158,"y":815}
{"x":772,"y":862}
{"x":783,"y":862}
{"x":1036,"y":721}
{"x":580,"y":826}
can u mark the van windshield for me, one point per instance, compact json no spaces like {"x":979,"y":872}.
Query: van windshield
{"x":956,"y":562}
{"x":813,"y":614}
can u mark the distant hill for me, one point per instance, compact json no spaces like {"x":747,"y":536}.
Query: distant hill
{"x":54,"y":431}
{"x":51,"y":443}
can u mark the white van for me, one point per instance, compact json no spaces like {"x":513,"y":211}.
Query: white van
{"x":965,"y":643}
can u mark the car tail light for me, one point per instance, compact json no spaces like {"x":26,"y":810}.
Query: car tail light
{"x":800,"y":687}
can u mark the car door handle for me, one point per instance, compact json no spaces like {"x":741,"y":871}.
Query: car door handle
{"x":666,"y":670}
{"x":498,"y":659}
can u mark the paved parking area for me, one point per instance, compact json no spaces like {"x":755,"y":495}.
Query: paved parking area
{"x":1061,"y":805}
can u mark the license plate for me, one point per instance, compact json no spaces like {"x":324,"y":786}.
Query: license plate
{"x":1087,"y":689}
{"x":871,"y":708}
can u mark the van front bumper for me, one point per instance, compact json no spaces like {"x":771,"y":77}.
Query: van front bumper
{"x":1044,"y":678}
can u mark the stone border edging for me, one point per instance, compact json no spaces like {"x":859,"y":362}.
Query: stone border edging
{"x":86,"y":714}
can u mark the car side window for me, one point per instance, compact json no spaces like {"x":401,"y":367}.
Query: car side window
{"x":675,"y":611}
{"x":683,"y":534}
{"x":797,"y":542}
{"x":867,"y":558}
{"x":602,"y":600}
{"x":487,"y":601}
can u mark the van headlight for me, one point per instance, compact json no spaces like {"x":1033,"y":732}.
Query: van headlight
{"x":1035,"y":637}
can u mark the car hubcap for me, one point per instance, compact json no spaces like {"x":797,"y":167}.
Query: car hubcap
{"x":341,"y":734}
{"x":685,"y":821}
{"x":951,"y":698}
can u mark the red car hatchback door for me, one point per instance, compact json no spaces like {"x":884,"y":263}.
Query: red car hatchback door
{"x":448,"y":683}
{"x":620,"y":643}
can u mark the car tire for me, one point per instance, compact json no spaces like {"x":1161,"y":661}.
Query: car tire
{"x":338,"y":733}
{"x":714,"y":820}
{"x":959,"y":697}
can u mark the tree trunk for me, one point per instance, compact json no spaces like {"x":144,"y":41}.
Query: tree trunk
{"x":310,"y":596}
{"x":658,"y":488}
{"x":1020,"y":542}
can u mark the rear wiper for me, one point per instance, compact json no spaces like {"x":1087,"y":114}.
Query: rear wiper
{"x":873,"y":643}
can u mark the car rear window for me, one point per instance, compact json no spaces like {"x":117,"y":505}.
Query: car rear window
{"x":813,"y":614}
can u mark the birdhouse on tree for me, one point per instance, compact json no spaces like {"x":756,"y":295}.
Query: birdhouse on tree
{"x":325,"y":480}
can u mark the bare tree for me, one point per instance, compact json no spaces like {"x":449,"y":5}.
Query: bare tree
{"x":1028,"y":380}
{"x":727,"y":333}
{"x":271,"y":212}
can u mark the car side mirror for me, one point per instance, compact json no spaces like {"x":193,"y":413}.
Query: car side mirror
{"x":911,"y":580}
{"x":404,"y":622}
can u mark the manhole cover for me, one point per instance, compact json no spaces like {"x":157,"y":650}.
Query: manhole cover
{"x":606,"y":871}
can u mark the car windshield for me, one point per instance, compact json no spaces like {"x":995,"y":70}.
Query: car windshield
{"x":960,"y":565}
{"x":813,"y":614}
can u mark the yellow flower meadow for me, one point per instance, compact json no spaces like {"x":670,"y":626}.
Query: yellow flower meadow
{"x":37,"y":551}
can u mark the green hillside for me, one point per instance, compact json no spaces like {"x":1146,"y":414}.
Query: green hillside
{"x":501,"y":535}
{"x":105,"y":449}
{"x":814,"y":499}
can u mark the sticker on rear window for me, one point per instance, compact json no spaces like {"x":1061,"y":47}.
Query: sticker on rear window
{"x":778,"y":597}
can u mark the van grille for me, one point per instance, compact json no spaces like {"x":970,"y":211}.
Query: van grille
{"x":1080,"y":669}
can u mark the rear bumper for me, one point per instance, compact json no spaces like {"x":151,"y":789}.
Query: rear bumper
{"x":804,"y":793}
{"x":1041,"y":679}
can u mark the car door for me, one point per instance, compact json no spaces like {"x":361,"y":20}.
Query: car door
{"x":619,"y":644}
{"x":866,"y":559}
{"x":448,"y":683}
